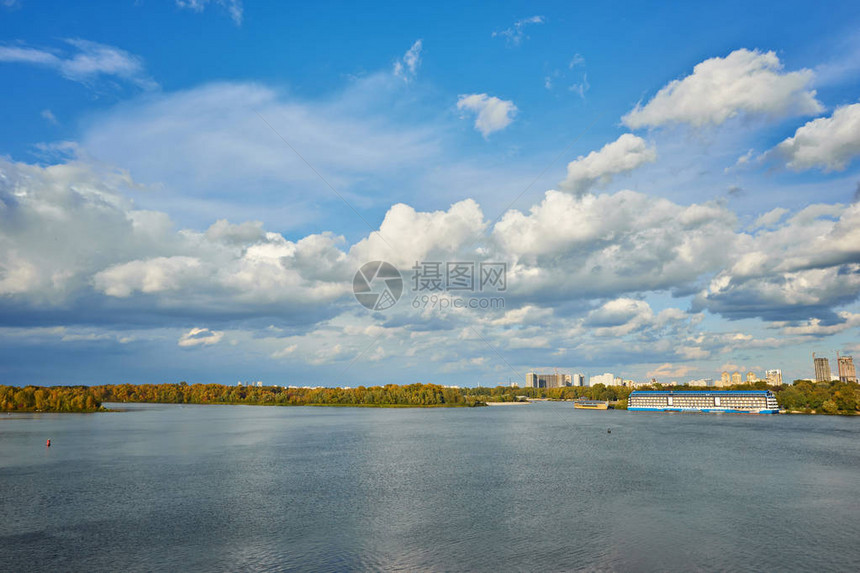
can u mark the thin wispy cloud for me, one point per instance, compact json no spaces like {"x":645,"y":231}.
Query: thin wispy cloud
{"x":515,"y":35}
{"x":234,"y":7}
{"x":581,"y":88}
{"x":559,"y":76}
{"x":576,"y":60}
{"x":49,"y":116}
{"x":200,"y":337}
{"x":88,"y":63}
{"x":406,"y":68}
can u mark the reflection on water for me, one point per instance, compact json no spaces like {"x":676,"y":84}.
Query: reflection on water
{"x":537,"y":487}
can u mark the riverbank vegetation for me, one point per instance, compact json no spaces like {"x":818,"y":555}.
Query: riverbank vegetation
{"x":421,"y":395}
{"x":803,"y":396}
{"x":811,"y":397}
{"x":90,"y":398}
{"x":49,"y":399}
{"x":509,"y":394}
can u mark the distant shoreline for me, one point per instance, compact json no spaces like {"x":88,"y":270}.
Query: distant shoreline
{"x":802,"y":397}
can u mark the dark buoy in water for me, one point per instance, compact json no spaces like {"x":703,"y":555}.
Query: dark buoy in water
{"x":48,"y":444}
{"x":608,"y":430}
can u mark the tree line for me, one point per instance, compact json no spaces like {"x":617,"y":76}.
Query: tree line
{"x":510,"y":394}
{"x":49,"y":399}
{"x":802,"y":396}
{"x":90,"y":398}
{"x":820,"y":397}
{"x":388,"y":395}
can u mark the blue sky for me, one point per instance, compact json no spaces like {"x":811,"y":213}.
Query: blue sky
{"x":673,"y":188}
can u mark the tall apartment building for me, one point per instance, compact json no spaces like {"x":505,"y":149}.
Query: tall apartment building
{"x":736,"y":377}
{"x":773,"y":377}
{"x":845,"y":367}
{"x":534,"y":380}
{"x":822,"y":369}
{"x":725,"y":379}
{"x":607,"y":379}
{"x":578,"y":380}
{"x":751,"y":377}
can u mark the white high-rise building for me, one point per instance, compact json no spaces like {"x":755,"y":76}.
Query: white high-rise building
{"x":822,"y":369}
{"x":607,"y":379}
{"x":578,"y":380}
{"x":535,"y":380}
{"x":773,"y":377}
{"x":845,"y":366}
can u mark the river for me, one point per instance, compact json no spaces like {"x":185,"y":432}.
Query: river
{"x":540,"y":487}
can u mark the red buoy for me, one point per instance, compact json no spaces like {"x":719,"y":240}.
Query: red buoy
{"x":48,"y":444}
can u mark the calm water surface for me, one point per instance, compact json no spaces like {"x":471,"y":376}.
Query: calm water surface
{"x":539,"y":487}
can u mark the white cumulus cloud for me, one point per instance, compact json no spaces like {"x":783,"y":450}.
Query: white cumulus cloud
{"x":802,"y":268}
{"x":200,"y":337}
{"x":815,"y":327}
{"x":745,"y":81}
{"x":598,"y":167}
{"x":148,"y":276}
{"x":670,"y":371}
{"x":421,"y":235}
{"x":603,"y":245}
{"x":770,"y":218}
{"x":829,"y":143}
{"x":613,"y":248}
{"x":492,"y":114}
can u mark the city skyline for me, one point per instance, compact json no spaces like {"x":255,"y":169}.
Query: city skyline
{"x":191,"y":195}
{"x":821,"y":372}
